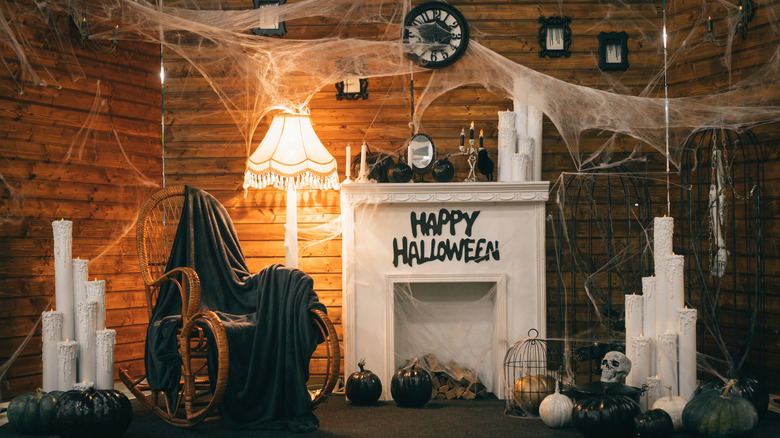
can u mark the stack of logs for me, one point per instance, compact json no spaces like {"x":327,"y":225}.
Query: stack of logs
{"x":451,"y":381}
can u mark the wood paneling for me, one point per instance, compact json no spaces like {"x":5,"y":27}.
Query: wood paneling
{"x":86,"y":148}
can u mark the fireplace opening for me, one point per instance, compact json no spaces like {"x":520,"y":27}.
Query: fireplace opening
{"x":454,"y":321}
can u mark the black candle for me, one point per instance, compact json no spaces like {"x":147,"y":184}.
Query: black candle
{"x":471,"y":131}
{"x":480,"y":138}
{"x":709,"y":24}
{"x":462,"y":136}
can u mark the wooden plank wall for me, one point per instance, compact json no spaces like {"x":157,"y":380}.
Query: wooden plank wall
{"x":701,"y":67}
{"x":52,"y":168}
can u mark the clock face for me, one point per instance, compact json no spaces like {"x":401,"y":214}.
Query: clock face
{"x":436,"y":34}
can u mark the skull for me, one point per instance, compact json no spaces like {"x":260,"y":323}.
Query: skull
{"x":614,"y":366}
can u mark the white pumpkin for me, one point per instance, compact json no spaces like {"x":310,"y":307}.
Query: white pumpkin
{"x":673,"y":405}
{"x":555,"y":410}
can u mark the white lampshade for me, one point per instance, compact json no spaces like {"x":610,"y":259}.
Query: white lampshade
{"x":291,"y":157}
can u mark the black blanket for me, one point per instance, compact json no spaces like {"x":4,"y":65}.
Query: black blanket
{"x":271,"y":336}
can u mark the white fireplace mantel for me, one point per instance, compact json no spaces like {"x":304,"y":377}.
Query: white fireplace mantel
{"x":376,"y":218}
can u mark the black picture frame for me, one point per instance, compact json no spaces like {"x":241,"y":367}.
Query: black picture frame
{"x":613,"y":51}
{"x":554,"y":37}
{"x":280,"y":30}
{"x":361,"y":94}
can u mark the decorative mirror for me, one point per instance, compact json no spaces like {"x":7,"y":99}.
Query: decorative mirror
{"x":423,"y":153}
{"x":270,"y":24}
{"x":352,"y":89}
{"x":613,"y":51}
{"x":555,"y":37}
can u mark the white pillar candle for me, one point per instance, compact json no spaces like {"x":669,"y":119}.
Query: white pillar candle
{"x":348,"y":169}
{"x":653,"y":392}
{"x":105,"y":340}
{"x":687,"y":352}
{"x":86,"y":315}
{"x":67,"y":352}
{"x":663,"y":231}
{"x":640,"y":365}
{"x":63,"y":275}
{"x":362,"y":175}
{"x":83,"y":386}
{"x":51,"y":334}
{"x":648,"y":319}
{"x":80,"y":272}
{"x":667,"y":360}
{"x":633,"y":319}
{"x":409,"y":155}
{"x":96,"y":291}
{"x":675,"y":289}
{"x":535,"y":122}
{"x":507,"y":140}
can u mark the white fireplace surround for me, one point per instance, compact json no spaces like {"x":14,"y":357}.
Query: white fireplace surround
{"x":376,"y":218}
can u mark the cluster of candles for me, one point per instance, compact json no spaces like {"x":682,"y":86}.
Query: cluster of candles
{"x":74,"y":350}
{"x":660,"y":329}
{"x":471,"y":136}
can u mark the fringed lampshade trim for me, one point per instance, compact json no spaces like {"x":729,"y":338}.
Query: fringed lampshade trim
{"x":304,"y":180}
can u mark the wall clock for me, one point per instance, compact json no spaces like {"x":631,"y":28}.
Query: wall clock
{"x":436,"y":34}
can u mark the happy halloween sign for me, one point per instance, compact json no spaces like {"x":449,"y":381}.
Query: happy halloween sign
{"x":444,"y":228}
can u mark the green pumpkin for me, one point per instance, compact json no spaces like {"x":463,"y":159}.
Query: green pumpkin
{"x":716,"y":414}
{"x":94,"y":413}
{"x":33,"y":413}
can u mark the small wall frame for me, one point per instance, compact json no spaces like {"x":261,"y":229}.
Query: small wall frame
{"x":269,"y":27}
{"x":613,"y":51}
{"x":352,"y":89}
{"x":554,"y":37}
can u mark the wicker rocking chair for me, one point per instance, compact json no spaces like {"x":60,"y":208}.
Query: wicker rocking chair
{"x":156,"y":228}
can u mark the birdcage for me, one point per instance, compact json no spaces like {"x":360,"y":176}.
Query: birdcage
{"x":531,"y":368}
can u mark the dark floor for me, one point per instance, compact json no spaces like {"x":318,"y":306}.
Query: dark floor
{"x":338,"y":418}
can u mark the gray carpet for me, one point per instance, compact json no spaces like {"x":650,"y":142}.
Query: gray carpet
{"x":338,"y":418}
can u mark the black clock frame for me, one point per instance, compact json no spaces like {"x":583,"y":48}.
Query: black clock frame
{"x":612,"y":38}
{"x":268,"y":31}
{"x":442,"y":6}
{"x":547,"y":23}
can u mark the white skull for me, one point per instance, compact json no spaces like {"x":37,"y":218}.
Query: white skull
{"x":614,"y":367}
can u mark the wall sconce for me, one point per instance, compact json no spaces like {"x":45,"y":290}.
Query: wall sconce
{"x":80,"y":16}
{"x":613,"y":51}
{"x":744,"y":15}
{"x":711,"y":34}
{"x":352,"y":89}
{"x":270,"y":24}
{"x":554,"y":37}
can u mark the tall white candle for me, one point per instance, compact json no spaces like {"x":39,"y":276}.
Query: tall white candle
{"x":348,"y":168}
{"x":67,"y":352}
{"x":687,"y":352}
{"x":663,"y":232}
{"x":640,"y":365}
{"x":409,"y":155}
{"x":633,"y":318}
{"x":80,"y":272}
{"x":363,"y":171}
{"x":104,"y":374}
{"x":653,"y":392}
{"x":648,"y":320}
{"x":96,"y":291}
{"x":51,"y":334}
{"x":507,"y":140}
{"x":86,"y":314}
{"x":63,"y":275}
{"x":667,"y":360}
{"x":675,"y":289}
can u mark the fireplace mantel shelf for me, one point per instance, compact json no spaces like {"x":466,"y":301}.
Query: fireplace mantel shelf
{"x":445,"y":192}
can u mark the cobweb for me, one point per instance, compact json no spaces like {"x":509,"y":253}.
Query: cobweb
{"x":254,"y":76}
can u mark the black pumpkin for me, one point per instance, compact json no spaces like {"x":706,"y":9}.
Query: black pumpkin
{"x":411,"y":386}
{"x":443,"y":170}
{"x":33,"y":413}
{"x":720,"y":414}
{"x":401,"y":173}
{"x":747,"y":385}
{"x":94,"y":413}
{"x":363,"y":387}
{"x":655,"y":423}
{"x":606,"y":415}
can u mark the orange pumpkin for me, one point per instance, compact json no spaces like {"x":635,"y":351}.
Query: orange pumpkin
{"x":531,"y":390}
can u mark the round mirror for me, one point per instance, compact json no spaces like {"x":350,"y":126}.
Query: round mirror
{"x":423,"y":153}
